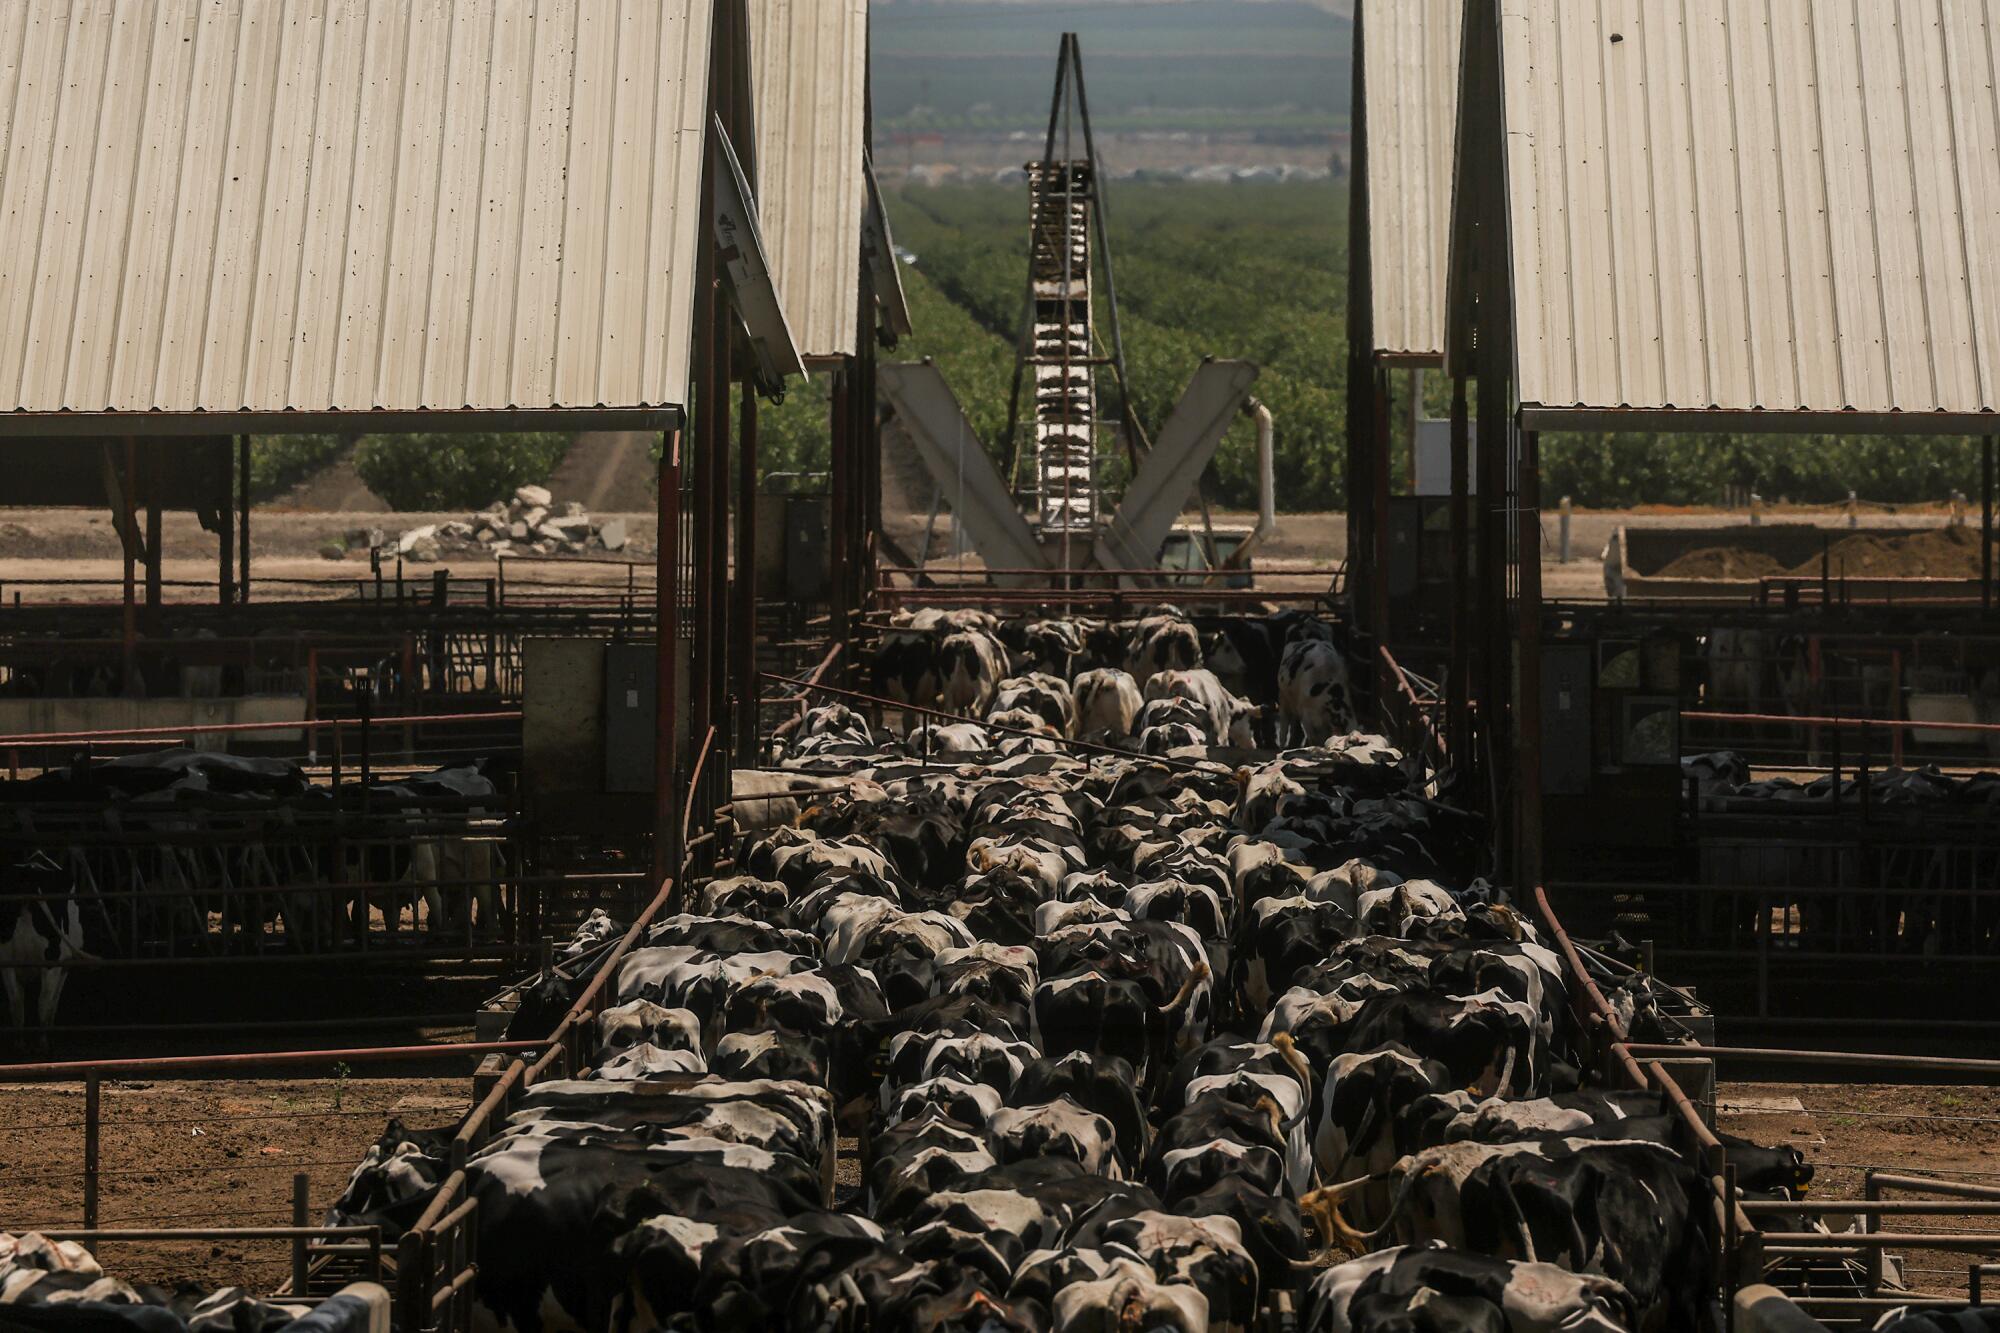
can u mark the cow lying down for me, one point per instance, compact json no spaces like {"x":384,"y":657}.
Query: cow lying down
{"x":53,"y":1283}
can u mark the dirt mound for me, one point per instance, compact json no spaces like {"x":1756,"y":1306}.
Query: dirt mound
{"x":1938,"y":553}
{"x":1721,"y":562}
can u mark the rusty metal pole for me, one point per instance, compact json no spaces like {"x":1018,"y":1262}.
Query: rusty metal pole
{"x":1378,"y":508}
{"x":744,"y":671}
{"x":93,"y":1107}
{"x":155,"y":590}
{"x":301,"y":1218}
{"x":225,"y":577}
{"x":715,"y":626}
{"x":130,"y":538}
{"x":666,"y":610}
{"x":243,"y":526}
{"x":1986,"y":525}
{"x":868,"y":440}
{"x":1459,"y":686}
{"x":1528,"y":648}
{"x":842,"y":420}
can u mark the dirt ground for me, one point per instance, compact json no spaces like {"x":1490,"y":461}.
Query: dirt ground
{"x":191,"y":1154}
{"x":1843,"y":1129}
{"x":73,"y":554}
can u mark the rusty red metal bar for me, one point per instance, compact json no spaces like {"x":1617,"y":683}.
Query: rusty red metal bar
{"x":1875,"y":723}
{"x":175,"y":1064}
{"x":228,"y":728}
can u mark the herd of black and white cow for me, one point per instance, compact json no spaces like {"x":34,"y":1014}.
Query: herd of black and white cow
{"x":1123,"y":1041}
{"x":185,"y":853}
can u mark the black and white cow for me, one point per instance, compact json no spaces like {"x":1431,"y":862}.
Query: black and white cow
{"x":1107,"y":704}
{"x":1225,"y":718}
{"x":1433,"y":1287}
{"x":1627,"y":1210}
{"x":971,"y":663}
{"x":1162,"y":642}
{"x":41,"y":935}
{"x":1315,"y":694}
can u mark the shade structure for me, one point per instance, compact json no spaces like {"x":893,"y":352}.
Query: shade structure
{"x":274,"y":209}
{"x":1744,"y":210}
{"x":1409,"y":51}
{"x":809,"y":70}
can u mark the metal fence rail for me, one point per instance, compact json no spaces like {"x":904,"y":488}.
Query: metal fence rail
{"x":437,"y":1259}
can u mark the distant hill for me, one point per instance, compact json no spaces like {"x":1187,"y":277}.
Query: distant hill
{"x":1277,"y":66}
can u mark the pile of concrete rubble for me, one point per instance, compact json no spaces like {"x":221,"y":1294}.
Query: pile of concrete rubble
{"x":530,"y":524}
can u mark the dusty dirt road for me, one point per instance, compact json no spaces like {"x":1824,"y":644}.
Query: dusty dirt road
{"x":73,"y":554}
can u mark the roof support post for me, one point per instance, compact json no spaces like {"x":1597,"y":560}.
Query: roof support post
{"x":1528,"y":671}
{"x":243,"y":526}
{"x":666,"y":611}
{"x":1458,"y":723}
{"x":1378,"y":505}
{"x":743,"y":639}
{"x":155,"y":574}
{"x":868,"y":444}
{"x":1360,"y":365}
{"x":225,"y":510}
{"x":130,"y":625}
{"x":839,"y":487}
{"x":1986,"y":525}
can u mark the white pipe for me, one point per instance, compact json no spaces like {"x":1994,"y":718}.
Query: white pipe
{"x":1267,"y":483}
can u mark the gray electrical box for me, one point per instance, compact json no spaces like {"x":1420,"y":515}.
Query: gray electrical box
{"x":1431,"y":462}
{"x":1566,"y":718}
{"x":630,"y":709}
{"x":791,"y":547}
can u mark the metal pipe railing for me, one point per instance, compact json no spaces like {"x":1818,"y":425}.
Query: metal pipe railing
{"x":186,"y":1064}
{"x":1863,"y":723}
{"x":234,"y":728}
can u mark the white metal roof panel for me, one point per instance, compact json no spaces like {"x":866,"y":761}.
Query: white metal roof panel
{"x":1409,"y":50}
{"x":274,"y":206}
{"x":1753,"y":205}
{"x":809,"y":67}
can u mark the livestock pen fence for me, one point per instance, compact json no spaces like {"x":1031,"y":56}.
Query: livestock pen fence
{"x":368,"y":875}
{"x":1796,"y":898}
{"x":432,"y":1267}
{"x":437,"y":1259}
{"x":406,"y":644}
{"x":1911,"y":1214}
{"x":115,"y":1197}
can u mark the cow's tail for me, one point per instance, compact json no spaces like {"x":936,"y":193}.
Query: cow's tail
{"x":1323,"y":1206}
{"x":1297,"y":1063}
{"x":1185,"y":995}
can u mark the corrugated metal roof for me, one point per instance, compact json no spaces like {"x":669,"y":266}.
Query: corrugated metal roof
{"x":1754,"y":205}
{"x":809,"y":66}
{"x":321,"y":205}
{"x":1409,"y":52}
